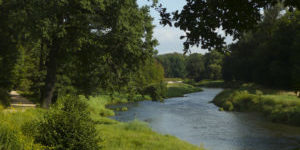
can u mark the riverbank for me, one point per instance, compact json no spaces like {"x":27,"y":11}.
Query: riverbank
{"x":179,"y":89}
{"x":114,"y":135}
{"x":277,"y":105}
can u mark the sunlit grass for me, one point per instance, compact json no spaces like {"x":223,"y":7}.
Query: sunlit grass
{"x":179,"y":89}
{"x":278,"y":106}
{"x":11,"y":129}
{"x":15,"y":133}
{"x":138,"y":136}
{"x":173,"y":79}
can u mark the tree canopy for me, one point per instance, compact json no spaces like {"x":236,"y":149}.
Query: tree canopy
{"x":201,"y":19}
{"x":84,"y":44}
{"x":269,"y":56}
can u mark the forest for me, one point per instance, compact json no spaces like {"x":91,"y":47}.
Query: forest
{"x":82,"y":64}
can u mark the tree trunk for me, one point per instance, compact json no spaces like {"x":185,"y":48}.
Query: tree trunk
{"x":50,"y":80}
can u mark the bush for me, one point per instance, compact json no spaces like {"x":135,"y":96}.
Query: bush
{"x":228,"y":106}
{"x":156,"y":91}
{"x":68,"y":126}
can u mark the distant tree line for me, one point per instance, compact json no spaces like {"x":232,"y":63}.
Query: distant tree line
{"x":194,"y":66}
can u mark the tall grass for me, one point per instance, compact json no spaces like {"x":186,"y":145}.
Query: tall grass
{"x":12,"y":136}
{"x":278,"y":106}
{"x":138,"y":136}
{"x":18,"y":129}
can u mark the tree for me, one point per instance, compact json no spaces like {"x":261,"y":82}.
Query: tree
{"x":195,"y":67}
{"x":10,"y":35}
{"x":268,"y":56}
{"x":174,"y":65}
{"x":200,"y":19}
{"x":117,"y":34}
{"x":213,"y":64}
{"x":149,"y":80}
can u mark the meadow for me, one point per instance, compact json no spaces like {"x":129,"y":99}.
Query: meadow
{"x":18,"y":129}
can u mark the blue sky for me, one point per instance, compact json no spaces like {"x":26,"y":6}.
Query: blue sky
{"x":169,"y":37}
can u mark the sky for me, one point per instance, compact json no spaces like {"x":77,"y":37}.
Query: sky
{"x":169,"y":37}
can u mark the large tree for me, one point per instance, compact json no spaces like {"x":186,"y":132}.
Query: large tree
{"x":78,"y":34}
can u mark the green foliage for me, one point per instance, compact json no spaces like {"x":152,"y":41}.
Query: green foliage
{"x":79,"y":47}
{"x":12,"y":139}
{"x":22,"y":127}
{"x":174,"y":65}
{"x":270,"y":55}
{"x":278,"y":106}
{"x":156,"y":91}
{"x":12,"y":134}
{"x":195,"y":67}
{"x":68,"y":126}
{"x":137,"y":135}
{"x":179,"y":89}
{"x":4,"y":97}
{"x":209,"y":66}
{"x":199,"y":19}
{"x":148,"y":80}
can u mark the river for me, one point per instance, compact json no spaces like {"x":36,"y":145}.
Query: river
{"x":192,"y":118}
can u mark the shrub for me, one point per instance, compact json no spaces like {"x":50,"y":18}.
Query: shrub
{"x":68,"y":126}
{"x":228,"y":106}
{"x":156,"y":91}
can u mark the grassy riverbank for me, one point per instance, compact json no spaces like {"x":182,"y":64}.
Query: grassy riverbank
{"x":179,"y":89}
{"x":16,"y":134}
{"x":277,"y":105}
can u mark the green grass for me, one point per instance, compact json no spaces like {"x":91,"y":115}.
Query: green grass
{"x":214,"y":83}
{"x":15,"y":132}
{"x":179,"y":89}
{"x":173,"y":79}
{"x":134,"y":135}
{"x":277,"y":105}
{"x":138,"y":136}
{"x":210,"y":83}
{"x":12,"y":129}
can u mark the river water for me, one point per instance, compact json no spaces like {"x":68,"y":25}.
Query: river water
{"x":192,"y":118}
